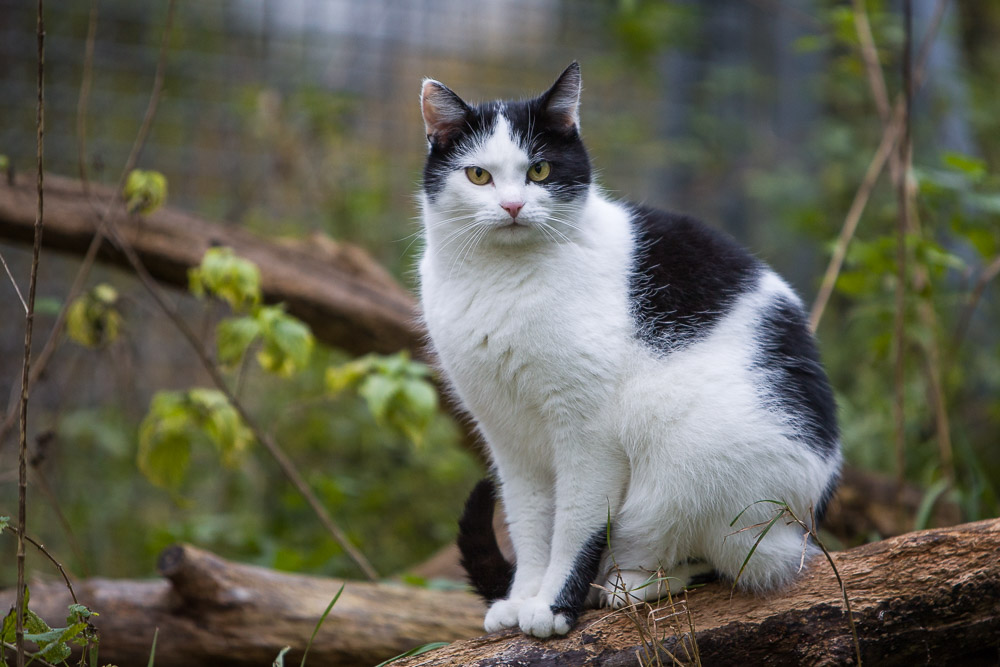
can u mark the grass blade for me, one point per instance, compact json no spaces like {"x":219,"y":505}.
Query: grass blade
{"x":319,"y":623}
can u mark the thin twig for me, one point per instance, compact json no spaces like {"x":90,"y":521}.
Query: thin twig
{"x":22,"y":463}
{"x":14,"y":283}
{"x":988,"y":274}
{"x":81,"y":104}
{"x":34,"y":656}
{"x":100,"y":234}
{"x":902,"y":231}
{"x":45,"y":552}
{"x":869,"y":54}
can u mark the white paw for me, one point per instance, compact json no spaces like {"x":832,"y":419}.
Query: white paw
{"x":501,"y":615}
{"x":536,"y":618}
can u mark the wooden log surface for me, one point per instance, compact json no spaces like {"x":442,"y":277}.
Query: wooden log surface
{"x":924,"y":598}
{"x":347,"y":298}
{"x":213,"y":612}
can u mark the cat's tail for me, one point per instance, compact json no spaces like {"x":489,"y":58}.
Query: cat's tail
{"x":490,"y":574}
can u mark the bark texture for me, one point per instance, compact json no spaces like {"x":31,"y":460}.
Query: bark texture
{"x":213,"y":612}
{"x":925,"y":598}
{"x":347,"y":298}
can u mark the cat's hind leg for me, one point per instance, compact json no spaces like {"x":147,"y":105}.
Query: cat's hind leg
{"x":624,"y":587}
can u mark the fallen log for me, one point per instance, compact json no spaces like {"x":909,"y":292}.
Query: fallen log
{"x":213,"y":612}
{"x":931,"y":597}
{"x":347,"y":298}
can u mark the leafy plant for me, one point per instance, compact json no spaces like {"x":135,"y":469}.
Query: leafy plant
{"x":145,"y":191}
{"x":176,"y":420}
{"x":54,"y":643}
{"x":93,"y":319}
{"x":396,"y":389}
{"x":285,"y":341}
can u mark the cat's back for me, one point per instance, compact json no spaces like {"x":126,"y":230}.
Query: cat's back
{"x":686,"y":277}
{"x":726,"y":330}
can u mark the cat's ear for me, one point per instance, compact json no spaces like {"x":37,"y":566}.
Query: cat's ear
{"x":444,"y":112}
{"x":561,"y":102}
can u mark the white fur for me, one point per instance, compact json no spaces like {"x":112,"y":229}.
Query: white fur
{"x":584,"y":421}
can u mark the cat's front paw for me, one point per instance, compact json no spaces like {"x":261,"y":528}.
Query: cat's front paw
{"x":537,"y":618}
{"x":501,"y":615}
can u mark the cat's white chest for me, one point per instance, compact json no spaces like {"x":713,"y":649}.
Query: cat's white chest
{"x":541,"y":333}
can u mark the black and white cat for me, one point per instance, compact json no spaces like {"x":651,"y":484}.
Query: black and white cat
{"x":629,"y":369}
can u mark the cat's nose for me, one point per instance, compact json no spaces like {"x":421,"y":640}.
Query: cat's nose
{"x":512,"y":207}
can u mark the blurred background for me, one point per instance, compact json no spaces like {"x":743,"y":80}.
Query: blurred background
{"x":294,"y":116}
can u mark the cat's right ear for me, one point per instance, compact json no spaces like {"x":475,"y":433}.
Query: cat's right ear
{"x":444,"y":112}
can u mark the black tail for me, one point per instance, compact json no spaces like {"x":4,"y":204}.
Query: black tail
{"x":489,"y":572}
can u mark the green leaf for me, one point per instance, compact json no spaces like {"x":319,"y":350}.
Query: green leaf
{"x":319,"y":623}
{"x":973,"y":167}
{"x":378,"y":390}
{"x":420,"y":397}
{"x":226,"y":276}
{"x":8,"y":632}
{"x":145,"y":191}
{"x":4,"y":522}
{"x":287,"y":341}
{"x":339,"y":378}
{"x":280,"y":660}
{"x":220,"y":421}
{"x":152,"y":649}
{"x":233,"y":336}
{"x":92,"y":319}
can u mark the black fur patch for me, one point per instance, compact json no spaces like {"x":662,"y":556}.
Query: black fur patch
{"x":489,"y":572}
{"x":797,"y":383}
{"x":570,"y":599}
{"x":541,"y":136}
{"x":686,"y":277}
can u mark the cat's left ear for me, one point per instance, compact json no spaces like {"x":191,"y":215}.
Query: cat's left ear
{"x":444,"y":112}
{"x":561,"y":102}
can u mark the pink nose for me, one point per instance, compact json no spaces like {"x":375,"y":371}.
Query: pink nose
{"x":512,"y":207}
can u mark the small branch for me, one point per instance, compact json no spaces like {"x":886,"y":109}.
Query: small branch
{"x":14,"y":283}
{"x":29,"y":317}
{"x":987,"y":275}
{"x":81,"y":104}
{"x":869,"y":54}
{"x":902,"y":230}
{"x":45,"y":552}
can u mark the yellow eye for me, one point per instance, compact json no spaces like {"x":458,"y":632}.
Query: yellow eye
{"x":478,"y":175}
{"x":539,"y":171}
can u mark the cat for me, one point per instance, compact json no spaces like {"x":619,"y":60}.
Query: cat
{"x":639,"y":379}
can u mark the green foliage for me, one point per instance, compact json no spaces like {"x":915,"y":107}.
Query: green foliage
{"x":145,"y":191}
{"x":53,"y":643}
{"x":397,"y":390}
{"x":285,"y":341}
{"x":226,"y":276}
{"x":179,"y":419}
{"x":93,"y":319}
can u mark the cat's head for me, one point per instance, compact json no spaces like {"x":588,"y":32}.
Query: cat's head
{"x":512,"y":171}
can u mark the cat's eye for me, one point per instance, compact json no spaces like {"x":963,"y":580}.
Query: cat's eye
{"x":539,"y":171}
{"x":478,"y":175}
